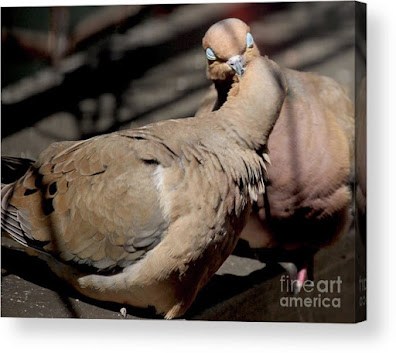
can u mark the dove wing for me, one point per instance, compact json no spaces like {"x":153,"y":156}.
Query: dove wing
{"x":94,"y":202}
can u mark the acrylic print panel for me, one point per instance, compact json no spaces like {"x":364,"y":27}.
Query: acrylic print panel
{"x":71,"y":73}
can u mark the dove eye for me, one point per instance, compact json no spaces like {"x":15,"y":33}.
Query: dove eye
{"x":210,"y":54}
{"x":249,"y":40}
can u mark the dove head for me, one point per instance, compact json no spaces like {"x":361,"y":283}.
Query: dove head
{"x":229,"y":47}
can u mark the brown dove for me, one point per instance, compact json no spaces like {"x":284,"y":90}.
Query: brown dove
{"x":146,"y":216}
{"x":307,"y":202}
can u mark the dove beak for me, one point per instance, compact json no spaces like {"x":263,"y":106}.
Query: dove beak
{"x":236,"y":63}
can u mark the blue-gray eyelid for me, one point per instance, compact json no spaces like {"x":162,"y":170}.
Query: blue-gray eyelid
{"x":210,"y":54}
{"x":249,"y":40}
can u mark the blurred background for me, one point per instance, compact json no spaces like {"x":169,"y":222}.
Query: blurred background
{"x":73,"y":72}
{"x":69,"y":73}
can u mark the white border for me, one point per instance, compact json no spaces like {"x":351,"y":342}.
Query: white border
{"x":377,"y":334}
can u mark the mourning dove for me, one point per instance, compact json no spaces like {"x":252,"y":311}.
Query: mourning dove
{"x":311,"y":148}
{"x":146,"y":216}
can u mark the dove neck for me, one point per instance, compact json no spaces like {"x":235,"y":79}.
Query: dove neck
{"x":250,"y":115}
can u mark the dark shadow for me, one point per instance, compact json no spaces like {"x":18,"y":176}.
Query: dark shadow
{"x":223,"y":287}
{"x":219,"y":289}
{"x":13,"y":168}
{"x":36,"y":271}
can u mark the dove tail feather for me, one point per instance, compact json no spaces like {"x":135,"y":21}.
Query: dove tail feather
{"x":9,"y":218}
{"x":13,"y":221}
{"x":13,"y":168}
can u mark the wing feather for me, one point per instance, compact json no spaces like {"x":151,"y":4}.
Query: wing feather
{"x":86,"y":211}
